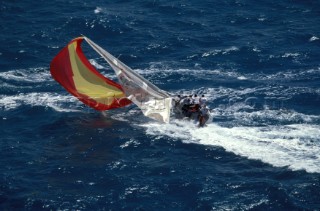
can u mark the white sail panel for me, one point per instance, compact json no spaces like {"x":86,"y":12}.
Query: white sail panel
{"x":154,"y":102}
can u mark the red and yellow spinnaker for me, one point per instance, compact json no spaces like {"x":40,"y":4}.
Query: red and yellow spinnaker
{"x":75,"y":73}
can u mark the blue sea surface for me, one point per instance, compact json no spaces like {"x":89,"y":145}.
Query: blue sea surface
{"x":257,"y":62}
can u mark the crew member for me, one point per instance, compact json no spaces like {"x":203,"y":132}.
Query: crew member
{"x":204,"y":115}
{"x":177,"y":100}
{"x":196,"y":100}
{"x":203,"y":101}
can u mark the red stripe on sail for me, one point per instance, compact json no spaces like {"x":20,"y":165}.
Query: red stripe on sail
{"x":61,"y":71}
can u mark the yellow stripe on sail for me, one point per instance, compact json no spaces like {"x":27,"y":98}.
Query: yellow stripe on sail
{"x":90,"y":84}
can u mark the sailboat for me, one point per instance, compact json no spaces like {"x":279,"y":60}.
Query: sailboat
{"x":76,"y":74}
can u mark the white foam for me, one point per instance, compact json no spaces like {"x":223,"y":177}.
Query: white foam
{"x":220,"y":51}
{"x":242,"y":78}
{"x":297,"y":74}
{"x":261,"y":19}
{"x":294,"y":146}
{"x":96,"y":64}
{"x":203,"y":74}
{"x":275,"y":115}
{"x":31,"y":75}
{"x":313,"y":38}
{"x":98,"y":10}
{"x":255,"y":49}
{"x":55,"y":101}
{"x":286,"y":55}
{"x":158,"y":70}
{"x":271,"y":92}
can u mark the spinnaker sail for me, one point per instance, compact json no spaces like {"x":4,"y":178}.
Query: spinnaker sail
{"x":75,"y":73}
{"x":154,"y":102}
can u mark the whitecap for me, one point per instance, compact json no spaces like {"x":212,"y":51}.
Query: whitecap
{"x":155,"y":70}
{"x":255,"y":49}
{"x":96,"y":64}
{"x":286,"y":55}
{"x":233,"y":48}
{"x":313,"y":38}
{"x":54,"y":47}
{"x":242,"y":78}
{"x":220,"y":51}
{"x":31,"y":75}
{"x":54,"y":101}
{"x":98,"y":10}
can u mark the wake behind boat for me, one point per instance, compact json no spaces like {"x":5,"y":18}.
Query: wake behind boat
{"x":77,"y":75}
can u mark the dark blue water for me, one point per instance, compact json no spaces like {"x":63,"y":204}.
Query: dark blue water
{"x":257,"y":63}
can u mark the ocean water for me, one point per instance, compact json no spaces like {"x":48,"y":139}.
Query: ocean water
{"x":256,"y":61}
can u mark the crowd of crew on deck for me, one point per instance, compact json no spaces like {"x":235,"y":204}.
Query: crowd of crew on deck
{"x":193,"y":107}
